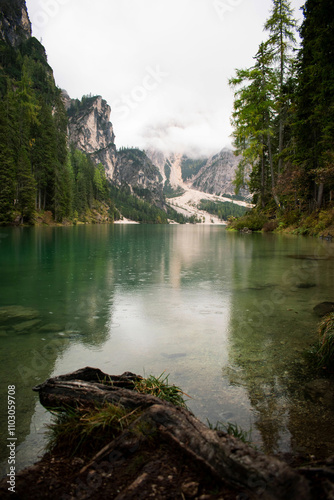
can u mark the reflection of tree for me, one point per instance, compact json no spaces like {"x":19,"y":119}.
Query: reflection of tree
{"x":267,"y":338}
{"x":266,"y":392}
{"x":25,"y":362}
{"x":255,"y":347}
{"x":59,"y":285}
{"x":271,"y":413}
{"x":73,"y":279}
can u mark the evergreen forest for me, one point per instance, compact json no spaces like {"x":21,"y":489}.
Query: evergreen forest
{"x":283,"y":116}
{"x":42,"y":178}
{"x":222,"y":209}
{"x":283,"y":129}
{"x":39,"y":173}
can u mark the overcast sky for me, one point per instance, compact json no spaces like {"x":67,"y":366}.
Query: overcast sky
{"x":162,"y":65}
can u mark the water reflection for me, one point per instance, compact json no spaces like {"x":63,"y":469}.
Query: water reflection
{"x":226,"y":315}
{"x":56,"y":289}
{"x":272,"y":322}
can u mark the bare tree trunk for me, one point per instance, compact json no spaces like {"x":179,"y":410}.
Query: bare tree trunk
{"x":281,"y":124}
{"x":271,"y":163}
{"x":320,"y":194}
{"x":262,"y":182}
{"x":280,"y":143}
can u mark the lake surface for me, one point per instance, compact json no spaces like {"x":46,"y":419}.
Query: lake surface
{"x":226,"y":315}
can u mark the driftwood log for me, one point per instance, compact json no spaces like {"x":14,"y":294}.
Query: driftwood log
{"x":224,"y":456}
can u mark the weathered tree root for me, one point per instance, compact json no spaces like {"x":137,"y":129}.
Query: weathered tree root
{"x":223,"y":455}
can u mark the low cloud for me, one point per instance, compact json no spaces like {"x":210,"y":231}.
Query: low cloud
{"x":162,"y":65}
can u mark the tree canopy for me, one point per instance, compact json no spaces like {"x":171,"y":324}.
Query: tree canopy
{"x":283,"y":111}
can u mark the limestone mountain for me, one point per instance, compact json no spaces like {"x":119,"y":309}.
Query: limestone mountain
{"x":15,"y":26}
{"x":214,"y":175}
{"x":150,"y":174}
{"x":218,"y":174}
{"x":90,"y":130}
{"x":170,"y":168}
{"x":168,"y":165}
{"x":135,"y":169}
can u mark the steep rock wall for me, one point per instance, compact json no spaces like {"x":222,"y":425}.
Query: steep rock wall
{"x":170,"y":166}
{"x":214,"y":175}
{"x":91,"y":131}
{"x":134,"y":168}
{"x":15,"y":26}
{"x":217,"y":176}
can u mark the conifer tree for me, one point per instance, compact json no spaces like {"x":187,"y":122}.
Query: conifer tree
{"x":63,"y":201}
{"x":252,"y":120}
{"x":260,"y":106}
{"x":44,"y":156}
{"x":315,"y":100}
{"x":63,"y":193}
{"x":8,"y":156}
{"x":281,"y":27}
{"x":7,"y":169}
{"x":26,"y":187}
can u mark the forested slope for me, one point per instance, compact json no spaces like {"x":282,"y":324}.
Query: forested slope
{"x":44,"y":176}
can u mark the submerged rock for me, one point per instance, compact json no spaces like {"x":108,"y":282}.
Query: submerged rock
{"x":17,"y":312}
{"x":51,"y":328}
{"x":310,"y":257}
{"x":26,"y":326}
{"x":260,"y":287}
{"x":323,"y":308}
{"x":321,"y":391}
{"x":305,"y":285}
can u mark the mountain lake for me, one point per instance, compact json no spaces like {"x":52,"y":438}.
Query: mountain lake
{"x":226,"y":316}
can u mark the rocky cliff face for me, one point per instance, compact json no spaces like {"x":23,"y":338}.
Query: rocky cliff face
{"x":214,"y":175}
{"x":15,"y":26}
{"x":217,"y":175}
{"x":92,"y":133}
{"x":134,"y":168}
{"x":90,"y":130}
{"x":168,"y":165}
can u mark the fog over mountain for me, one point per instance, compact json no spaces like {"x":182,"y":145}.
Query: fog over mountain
{"x":163,"y":66}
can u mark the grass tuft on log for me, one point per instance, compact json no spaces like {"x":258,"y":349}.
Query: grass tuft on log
{"x":160,"y":387}
{"x":86,"y":429}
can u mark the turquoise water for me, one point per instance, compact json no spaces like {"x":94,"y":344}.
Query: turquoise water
{"x":226,"y":315}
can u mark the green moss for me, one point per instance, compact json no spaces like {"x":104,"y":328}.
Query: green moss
{"x":319,"y":357}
